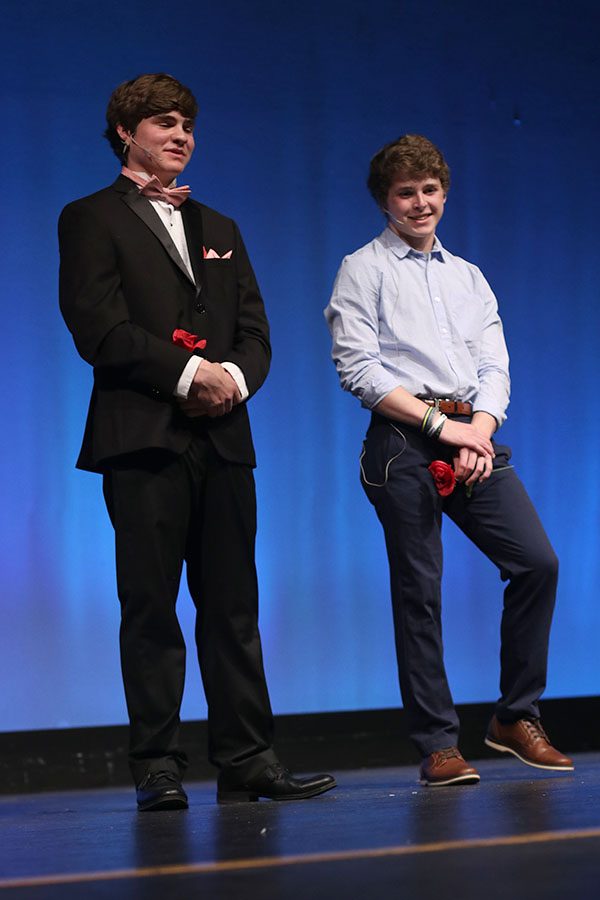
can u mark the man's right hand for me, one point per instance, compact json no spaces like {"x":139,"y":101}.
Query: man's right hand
{"x":403,"y":407}
{"x":462,"y":434}
{"x":213,"y":391}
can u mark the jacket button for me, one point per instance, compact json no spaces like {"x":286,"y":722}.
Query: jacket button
{"x":200,"y":308}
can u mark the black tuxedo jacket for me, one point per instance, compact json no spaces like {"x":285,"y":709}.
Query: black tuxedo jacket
{"x":124,"y":289}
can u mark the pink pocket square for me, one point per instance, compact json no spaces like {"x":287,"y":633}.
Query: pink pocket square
{"x":212,"y":254}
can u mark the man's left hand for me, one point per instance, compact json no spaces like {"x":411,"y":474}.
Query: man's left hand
{"x":200,"y":405}
{"x":470,"y":467}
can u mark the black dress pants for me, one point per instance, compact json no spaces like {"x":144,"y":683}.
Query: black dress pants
{"x":199,"y":509}
{"x":500,"y":519}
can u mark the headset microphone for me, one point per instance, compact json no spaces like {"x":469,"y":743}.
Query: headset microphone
{"x":143,"y":149}
{"x":387,"y":212}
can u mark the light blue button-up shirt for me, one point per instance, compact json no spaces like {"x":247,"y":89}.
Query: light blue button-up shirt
{"x":427,"y":322}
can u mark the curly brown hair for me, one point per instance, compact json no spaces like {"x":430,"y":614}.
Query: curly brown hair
{"x":410,"y":156}
{"x":142,"y":97}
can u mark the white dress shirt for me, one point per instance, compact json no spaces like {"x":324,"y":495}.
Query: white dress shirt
{"x":173,"y":222}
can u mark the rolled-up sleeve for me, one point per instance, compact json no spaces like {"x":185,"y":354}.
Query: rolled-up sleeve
{"x":494,"y":381}
{"x":352,"y":316}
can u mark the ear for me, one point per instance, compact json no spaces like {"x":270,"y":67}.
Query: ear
{"x":123,"y":133}
{"x":445,"y":197}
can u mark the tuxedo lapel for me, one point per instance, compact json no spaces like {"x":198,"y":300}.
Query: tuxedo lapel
{"x":142,"y":207}
{"x":192,"y":223}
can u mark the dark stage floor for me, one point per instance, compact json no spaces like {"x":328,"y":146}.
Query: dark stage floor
{"x":520,"y":833}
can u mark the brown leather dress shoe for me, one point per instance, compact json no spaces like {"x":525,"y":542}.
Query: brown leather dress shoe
{"x":447,"y":767}
{"x":527,"y":740}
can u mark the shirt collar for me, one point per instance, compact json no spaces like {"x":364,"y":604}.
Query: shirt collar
{"x":147,"y":177}
{"x":401,"y":249}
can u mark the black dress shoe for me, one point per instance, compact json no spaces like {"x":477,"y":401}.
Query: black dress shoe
{"x":275,"y":782}
{"x":161,"y":790}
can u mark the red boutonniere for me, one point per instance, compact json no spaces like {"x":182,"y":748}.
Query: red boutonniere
{"x":188,"y":341}
{"x":443,"y":476}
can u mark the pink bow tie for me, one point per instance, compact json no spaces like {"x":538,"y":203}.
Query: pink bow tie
{"x":154,"y":190}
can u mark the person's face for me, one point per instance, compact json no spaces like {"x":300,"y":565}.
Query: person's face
{"x":415,"y":207}
{"x":161,"y":145}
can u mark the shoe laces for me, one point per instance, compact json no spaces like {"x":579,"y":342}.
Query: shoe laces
{"x":279,"y":771}
{"x":447,"y":753}
{"x":163,"y":775}
{"x":535,"y":730}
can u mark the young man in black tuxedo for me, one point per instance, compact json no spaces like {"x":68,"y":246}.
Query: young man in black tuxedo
{"x":161,"y":299}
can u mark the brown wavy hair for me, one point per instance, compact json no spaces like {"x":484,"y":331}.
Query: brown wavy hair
{"x":411,"y":156}
{"x":142,"y":97}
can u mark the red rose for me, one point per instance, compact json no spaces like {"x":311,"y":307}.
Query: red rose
{"x":443,"y":476}
{"x":189,"y":341}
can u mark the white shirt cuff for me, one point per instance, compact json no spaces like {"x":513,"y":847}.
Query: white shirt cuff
{"x":184,"y":384}
{"x":238,"y":376}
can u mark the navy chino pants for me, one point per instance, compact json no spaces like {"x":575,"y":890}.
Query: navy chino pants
{"x":501,"y":521}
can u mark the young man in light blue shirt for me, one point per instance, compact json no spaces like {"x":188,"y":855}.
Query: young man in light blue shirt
{"x":418,"y":339}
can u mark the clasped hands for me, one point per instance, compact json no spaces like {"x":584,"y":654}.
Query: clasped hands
{"x":470,"y":467}
{"x":213,"y":392}
{"x":473,"y":458}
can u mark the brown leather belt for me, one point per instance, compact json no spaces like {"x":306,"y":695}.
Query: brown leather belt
{"x":451,"y":407}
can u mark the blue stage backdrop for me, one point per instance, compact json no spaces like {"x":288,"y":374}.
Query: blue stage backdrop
{"x":295,"y":97}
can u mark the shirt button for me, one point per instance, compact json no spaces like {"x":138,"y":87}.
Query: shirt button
{"x":437,"y":299}
{"x":444,"y":331}
{"x":200,"y":308}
